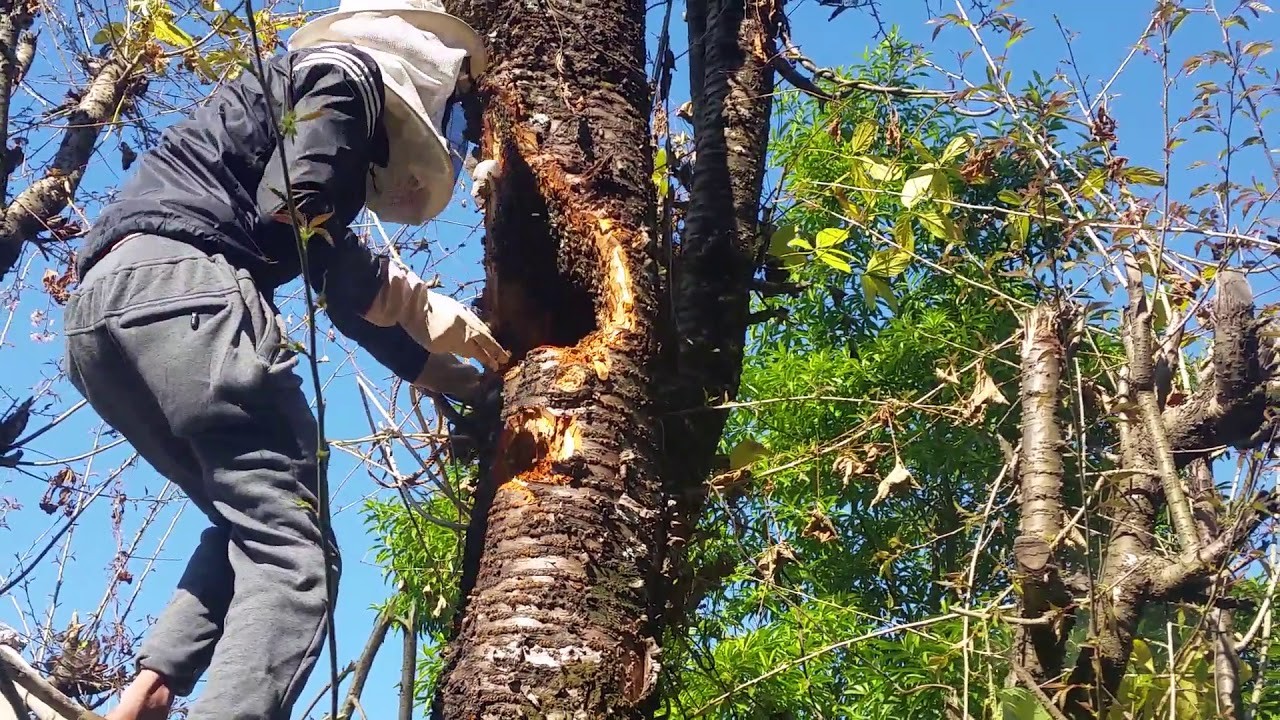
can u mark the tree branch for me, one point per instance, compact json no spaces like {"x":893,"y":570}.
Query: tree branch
{"x":17,"y":671}
{"x":1140,"y":348}
{"x":731,"y":84}
{"x":1041,"y":647}
{"x":30,"y":211}
{"x":365,"y":663}
{"x":408,"y":663}
{"x":1230,"y":409}
{"x":15,"y":17}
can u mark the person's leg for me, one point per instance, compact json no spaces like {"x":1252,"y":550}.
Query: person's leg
{"x":179,"y":646}
{"x":213,"y":360}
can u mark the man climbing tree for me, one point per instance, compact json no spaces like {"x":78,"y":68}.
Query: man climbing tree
{"x":174,"y":338}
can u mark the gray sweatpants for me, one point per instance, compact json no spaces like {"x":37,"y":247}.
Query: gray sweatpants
{"x":180,"y":353}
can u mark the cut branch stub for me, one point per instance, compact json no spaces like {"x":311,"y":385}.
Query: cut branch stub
{"x":1041,"y":648}
{"x":1229,"y":411}
{"x":560,"y":547}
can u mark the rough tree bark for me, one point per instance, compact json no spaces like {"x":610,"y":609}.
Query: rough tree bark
{"x":565,"y":569}
{"x":1156,"y":446}
{"x":1041,"y":648}
{"x":731,"y":49}
{"x":553,"y":621}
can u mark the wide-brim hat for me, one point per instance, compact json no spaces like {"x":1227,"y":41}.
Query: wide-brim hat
{"x":427,"y":15}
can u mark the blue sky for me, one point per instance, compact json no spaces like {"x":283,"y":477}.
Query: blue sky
{"x":1105,"y":34}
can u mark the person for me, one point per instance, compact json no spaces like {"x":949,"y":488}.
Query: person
{"x":174,"y":338}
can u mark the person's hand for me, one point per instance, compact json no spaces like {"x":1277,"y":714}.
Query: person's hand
{"x":446,"y":374}
{"x":444,"y":325}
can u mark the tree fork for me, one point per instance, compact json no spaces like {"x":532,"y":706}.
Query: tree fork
{"x":555,"y":584}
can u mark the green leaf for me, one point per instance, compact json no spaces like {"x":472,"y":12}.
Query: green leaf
{"x":113,"y":31}
{"x":878,"y":170}
{"x":1018,"y":227}
{"x":1258,"y":48}
{"x":746,"y":453}
{"x":939,"y":225}
{"x":837,"y":259}
{"x":166,"y":32}
{"x":863,"y":137}
{"x":904,"y":234}
{"x":924,"y":151}
{"x":888,"y":263}
{"x":1094,"y":182}
{"x":917,"y":188}
{"x":289,"y":123}
{"x":874,"y":287}
{"x":660,"y":172}
{"x":1009,"y":197}
{"x":830,"y":237}
{"x":1143,"y":176}
{"x":780,"y":246}
{"x":959,"y":146}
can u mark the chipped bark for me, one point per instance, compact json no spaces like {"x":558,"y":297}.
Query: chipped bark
{"x":30,"y":212}
{"x":1041,"y":648}
{"x":560,"y":547}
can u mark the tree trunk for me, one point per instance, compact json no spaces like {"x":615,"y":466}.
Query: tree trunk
{"x":568,"y":562}
{"x":555,"y":580}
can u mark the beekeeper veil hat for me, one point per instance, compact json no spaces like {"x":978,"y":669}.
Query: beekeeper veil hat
{"x":422,"y":52}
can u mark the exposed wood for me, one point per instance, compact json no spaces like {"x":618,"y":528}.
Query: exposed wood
{"x":555,"y":577}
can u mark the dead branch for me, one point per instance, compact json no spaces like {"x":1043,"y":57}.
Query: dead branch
{"x":360,"y":671}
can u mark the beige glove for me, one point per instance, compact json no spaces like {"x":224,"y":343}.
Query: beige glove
{"x":444,"y":373}
{"x":438,"y":322}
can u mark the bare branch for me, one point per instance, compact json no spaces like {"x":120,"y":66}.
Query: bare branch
{"x":17,"y":671}
{"x":1140,"y":348}
{"x":365,"y":663}
{"x":31,"y":210}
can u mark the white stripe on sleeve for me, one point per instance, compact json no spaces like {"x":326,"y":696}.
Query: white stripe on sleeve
{"x":358,"y":73}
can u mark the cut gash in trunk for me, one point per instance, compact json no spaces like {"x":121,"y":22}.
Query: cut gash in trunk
{"x":560,"y":547}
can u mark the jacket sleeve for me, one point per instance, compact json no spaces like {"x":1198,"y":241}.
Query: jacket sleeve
{"x":389,"y":345}
{"x":328,"y":142}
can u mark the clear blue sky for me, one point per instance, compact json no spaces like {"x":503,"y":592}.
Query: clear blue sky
{"x":1106,"y":31}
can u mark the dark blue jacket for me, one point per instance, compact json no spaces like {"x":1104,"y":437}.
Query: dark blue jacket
{"x":214,"y":180}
